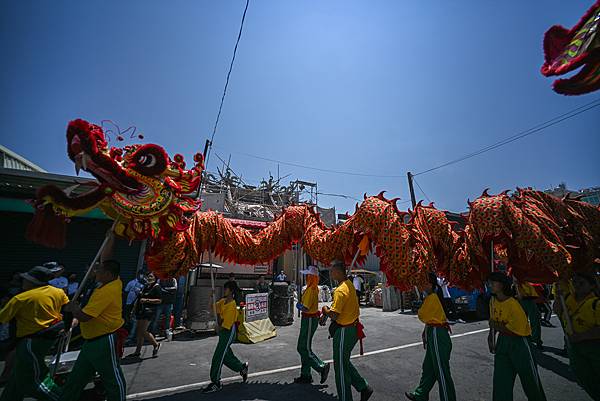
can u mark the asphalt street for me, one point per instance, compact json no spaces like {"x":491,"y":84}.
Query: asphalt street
{"x":391,"y":364}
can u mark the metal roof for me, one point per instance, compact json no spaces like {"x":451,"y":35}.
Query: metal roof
{"x":24,"y":183}
{"x":12,"y":160}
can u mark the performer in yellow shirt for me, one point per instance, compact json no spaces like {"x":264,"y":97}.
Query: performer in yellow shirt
{"x":583,"y":307}
{"x":512,"y":350}
{"x":227,"y":318}
{"x":37,"y":311}
{"x":438,"y":346}
{"x":99,"y":321}
{"x":346,"y":330}
{"x":308,"y":325}
{"x":527,"y":295}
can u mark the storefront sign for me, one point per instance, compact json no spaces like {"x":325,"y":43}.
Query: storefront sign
{"x":257,"y":307}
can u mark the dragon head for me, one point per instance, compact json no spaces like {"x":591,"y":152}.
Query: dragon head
{"x":139,"y":186}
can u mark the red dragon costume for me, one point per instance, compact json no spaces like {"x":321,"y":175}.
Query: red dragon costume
{"x":568,"y":49}
{"x":152,"y":196}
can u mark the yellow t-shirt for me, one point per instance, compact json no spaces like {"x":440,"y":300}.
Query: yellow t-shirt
{"x":106,"y":308}
{"x":228,"y":312}
{"x":310,"y":299}
{"x":431,"y":311}
{"x":35,"y":309}
{"x":526,"y":290}
{"x":583,"y":314}
{"x":565,"y":287}
{"x":511,"y":314}
{"x":345,"y":303}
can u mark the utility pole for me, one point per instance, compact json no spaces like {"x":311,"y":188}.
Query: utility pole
{"x":412,"y":189}
{"x":414,"y":204}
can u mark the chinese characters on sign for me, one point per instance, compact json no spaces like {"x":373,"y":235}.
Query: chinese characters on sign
{"x":257,"y":307}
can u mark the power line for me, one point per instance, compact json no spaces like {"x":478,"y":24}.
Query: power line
{"x":227,"y":82}
{"x":540,"y":127}
{"x":324,"y":170}
{"x":418,"y":185}
{"x":522,"y":134}
{"x":339,"y":196}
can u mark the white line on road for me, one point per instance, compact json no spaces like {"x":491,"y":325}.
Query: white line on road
{"x":196,"y":386}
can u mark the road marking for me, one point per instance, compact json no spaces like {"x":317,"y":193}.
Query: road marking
{"x":197,"y":386}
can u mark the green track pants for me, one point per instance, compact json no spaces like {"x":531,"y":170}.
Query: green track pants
{"x":533,"y":314}
{"x":308,"y":326}
{"x":436,"y":366}
{"x":585,"y":361}
{"x":346,"y":375}
{"x":223,"y":355}
{"x":29,"y":372}
{"x":97,"y":355}
{"x":514,"y":357}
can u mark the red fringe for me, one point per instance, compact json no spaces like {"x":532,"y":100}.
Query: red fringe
{"x":47,"y":229}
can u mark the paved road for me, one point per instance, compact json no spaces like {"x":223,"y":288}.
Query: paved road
{"x":392,"y":365}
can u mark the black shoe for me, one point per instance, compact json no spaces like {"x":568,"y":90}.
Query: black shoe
{"x":303,"y":380}
{"x":410,"y":396}
{"x":155,"y":350}
{"x":212,"y":388}
{"x":325,"y":372}
{"x":244,"y":372}
{"x":366,"y":393}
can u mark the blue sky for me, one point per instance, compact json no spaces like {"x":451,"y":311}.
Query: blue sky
{"x":378,"y":87}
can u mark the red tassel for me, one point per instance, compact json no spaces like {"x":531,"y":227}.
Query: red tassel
{"x":47,"y":229}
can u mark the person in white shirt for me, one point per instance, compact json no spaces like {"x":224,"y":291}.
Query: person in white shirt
{"x":357,"y":281}
{"x":448,"y":304}
{"x":133,"y":290}
{"x":281,"y":276}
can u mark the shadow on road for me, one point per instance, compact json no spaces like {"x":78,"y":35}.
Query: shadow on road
{"x":554,"y":365}
{"x":253,"y":390}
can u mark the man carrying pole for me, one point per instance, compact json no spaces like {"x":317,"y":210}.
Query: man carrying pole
{"x":583,"y":313}
{"x":308,"y":325}
{"x":527,"y":295}
{"x":513,"y":354}
{"x":100,"y":320}
{"x":346,"y":331}
{"x":227,"y":320}
{"x":37,"y":311}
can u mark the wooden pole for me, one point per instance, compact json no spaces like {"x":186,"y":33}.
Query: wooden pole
{"x":63,"y":343}
{"x":298,"y":277}
{"x":566,"y":317}
{"x":353,"y":261}
{"x":212,"y":291}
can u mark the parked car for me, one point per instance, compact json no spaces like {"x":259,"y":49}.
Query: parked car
{"x":471,"y":303}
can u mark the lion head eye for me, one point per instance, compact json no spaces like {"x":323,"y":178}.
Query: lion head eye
{"x":147,"y":160}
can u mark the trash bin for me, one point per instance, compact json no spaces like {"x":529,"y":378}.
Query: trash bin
{"x":281,"y":302}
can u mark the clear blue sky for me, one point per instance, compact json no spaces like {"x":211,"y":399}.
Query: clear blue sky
{"x":379,"y":87}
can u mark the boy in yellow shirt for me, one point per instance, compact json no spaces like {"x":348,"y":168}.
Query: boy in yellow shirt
{"x":308,"y":325}
{"x":438,"y":346}
{"x":583,"y":307}
{"x":37,"y":311}
{"x":512,"y":349}
{"x":227,"y":317}
{"x":344,"y":329}
{"x":527,"y":295}
{"x":100,"y":320}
